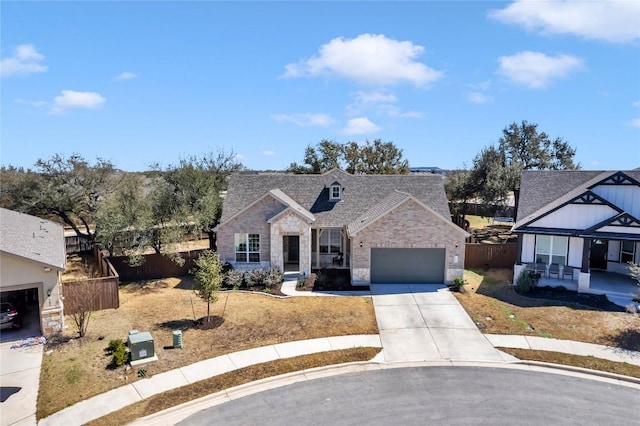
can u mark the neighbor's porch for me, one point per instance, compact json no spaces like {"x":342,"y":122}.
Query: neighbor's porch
{"x":619,"y":288}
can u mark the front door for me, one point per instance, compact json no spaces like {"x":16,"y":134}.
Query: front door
{"x":598,"y":255}
{"x":293,"y":249}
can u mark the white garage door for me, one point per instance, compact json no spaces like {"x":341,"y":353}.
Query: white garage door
{"x":407,"y":265}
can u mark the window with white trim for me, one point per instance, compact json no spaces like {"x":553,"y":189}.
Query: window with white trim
{"x":552,"y":249}
{"x":247,"y":248}
{"x":335,"y":192}
{"x":330,"y":241}
{"x":627,"y":251}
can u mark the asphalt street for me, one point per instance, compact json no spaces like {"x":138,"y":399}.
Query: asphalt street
{"x":433,"y":395}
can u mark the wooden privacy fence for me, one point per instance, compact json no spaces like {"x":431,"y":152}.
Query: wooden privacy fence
{"x":93,"y":294}
{"x":155,"y":266}
{"x":90,"y":295}
{"x":479,"y":255}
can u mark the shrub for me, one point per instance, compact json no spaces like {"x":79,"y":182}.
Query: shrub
{"x":256,"y":277}
{"x":114,"y":344}
{"x":525,"y":282}
{"x":119,"y":352}
{"x":458,"y":282}
{"x":322,"y":279}
{"x":234,"y":278}
{"x":274,"y":276}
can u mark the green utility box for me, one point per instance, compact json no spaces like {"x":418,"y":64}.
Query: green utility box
{"x":141,"y":345}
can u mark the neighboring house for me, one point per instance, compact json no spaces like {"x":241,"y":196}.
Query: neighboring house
{"x":383,"y":228}
{"x":32,"y":258}
{"x":580,"y":220}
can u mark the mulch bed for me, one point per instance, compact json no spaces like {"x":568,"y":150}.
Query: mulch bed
{"x":596,"y":301}
{"x":276,"y":289}
{"x":330,"y":280}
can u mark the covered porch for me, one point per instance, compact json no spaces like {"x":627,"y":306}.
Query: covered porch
{"x":619,"y":288}
{"x":330,"y":248}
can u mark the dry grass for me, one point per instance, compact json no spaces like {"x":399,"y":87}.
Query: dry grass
{"x":229,"y":380}
{"x":78,"y":369}
{"x":489,"y":295}
{"x":589,"y":362}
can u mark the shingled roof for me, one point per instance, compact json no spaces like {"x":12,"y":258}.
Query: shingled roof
{"x":360,"y":193}
{"x":32,"y":238}
{"x":540,"y":188}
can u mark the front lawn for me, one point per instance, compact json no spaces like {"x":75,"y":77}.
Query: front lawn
{"x":78,"y":369}
{"x":497,"y":308}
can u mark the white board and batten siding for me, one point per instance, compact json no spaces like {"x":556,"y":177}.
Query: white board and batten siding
{"x":528,"y":248}
{"x":575,"y":252}
{"x":627,"y":197}
{"x":576,"y":216}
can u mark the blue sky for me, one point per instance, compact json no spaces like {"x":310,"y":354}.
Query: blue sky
{"x":143,"y":82}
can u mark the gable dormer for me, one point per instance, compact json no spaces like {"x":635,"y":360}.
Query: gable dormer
{"x":335,"y":191}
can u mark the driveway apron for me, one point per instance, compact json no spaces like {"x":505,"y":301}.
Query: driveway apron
{"x":425,"y":322}
{"x":20,"y":378}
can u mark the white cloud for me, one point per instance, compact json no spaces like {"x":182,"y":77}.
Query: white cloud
{"x":25,"y":60}
{"x":609,"y":20}
{"x":636,"y":104}
{"x":537,"y":70}
{"x":126,"y":76}
{"x":368,"y":59}
{"x":483,"y":85}
{"x":71,"y":99}
{"x":30,"y":103}
{"x":479,"y":98}
{"x":636,"y":123}
{"x":268,"y":153}
{"x":360,"y":126}
{"x":320,"y":120}
{"x":381,"y":102}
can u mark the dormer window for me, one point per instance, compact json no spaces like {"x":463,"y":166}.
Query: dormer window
{"x":335,"y":192}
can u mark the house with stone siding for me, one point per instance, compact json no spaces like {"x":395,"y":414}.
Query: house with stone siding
{"x":382,"y":228}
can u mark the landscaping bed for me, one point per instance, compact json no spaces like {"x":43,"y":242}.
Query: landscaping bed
{"x":329,"y":280}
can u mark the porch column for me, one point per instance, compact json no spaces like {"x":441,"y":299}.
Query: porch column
{"x":584,"y":277}
{"x":586,"y":251}
{"x":343,"y":240}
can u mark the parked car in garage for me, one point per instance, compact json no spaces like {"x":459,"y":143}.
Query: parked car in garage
{"x":8,"y":316}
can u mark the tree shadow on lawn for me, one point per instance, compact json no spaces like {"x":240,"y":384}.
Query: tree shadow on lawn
{"x":215,"y":321}
{"x":144,"y":287}
{"x":547,"y":296}
{"x":627,"y":339}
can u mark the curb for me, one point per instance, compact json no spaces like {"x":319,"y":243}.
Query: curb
{"x":586,"y":371}
{"x":180,"y":412}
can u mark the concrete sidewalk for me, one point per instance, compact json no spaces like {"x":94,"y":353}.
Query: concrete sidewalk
{"x":565,"y":346}
{"x":113,"y":400}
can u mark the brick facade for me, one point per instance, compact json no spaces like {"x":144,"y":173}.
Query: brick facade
{"x":410,"y":226}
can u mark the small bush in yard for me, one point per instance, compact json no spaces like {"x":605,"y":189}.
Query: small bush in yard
{"x":273,"y":277}
{"x":256,"y":277}
{"x":525,"y":282}
{"x":234,"y":278}
{"x":119,"y":352}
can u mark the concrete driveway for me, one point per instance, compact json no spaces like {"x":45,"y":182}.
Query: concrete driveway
{"x":19,"y":382}
{"x":425,"y":322}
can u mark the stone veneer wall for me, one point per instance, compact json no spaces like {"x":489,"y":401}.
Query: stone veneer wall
{"x":291,"y":223}
{"x":252,"y":221}
{"x":411,"y":226}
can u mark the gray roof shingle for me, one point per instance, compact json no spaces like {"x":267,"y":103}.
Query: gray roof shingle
{"x":539,"y":188}
{"x":360,"y":193}
{"x":32,"y":238}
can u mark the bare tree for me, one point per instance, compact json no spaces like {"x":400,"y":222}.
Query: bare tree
{"x":80,"y":302}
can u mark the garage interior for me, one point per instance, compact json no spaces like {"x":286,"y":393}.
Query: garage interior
{"x":26,"y":302}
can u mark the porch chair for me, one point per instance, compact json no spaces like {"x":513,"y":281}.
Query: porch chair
{"x":567,"y":272}
{"x":337,"y":260}
{"x":554,"y":269}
